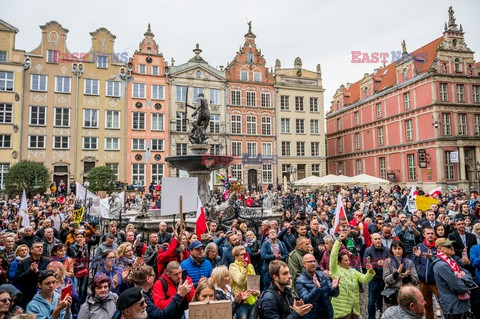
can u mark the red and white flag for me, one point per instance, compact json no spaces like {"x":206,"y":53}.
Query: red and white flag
{"x":339,"y":213}
{"x":413,"y":192}
{"x":436,"y":192}
{"x":201,"y":223}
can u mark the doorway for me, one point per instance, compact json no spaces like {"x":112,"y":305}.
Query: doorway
{"x":252,"y":180}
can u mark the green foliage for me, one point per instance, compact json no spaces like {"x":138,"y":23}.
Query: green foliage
{"x":101,"y":178}
{"x":31,"y":176}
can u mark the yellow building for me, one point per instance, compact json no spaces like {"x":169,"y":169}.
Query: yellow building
{"x":11,"y":86}
{"x":101,"y":133}
{"x":49,"y":121}
{"x":300,"y":122}
{"x":74,"y":105}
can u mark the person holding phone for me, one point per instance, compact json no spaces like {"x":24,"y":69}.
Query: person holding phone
{"x":47,"y":299}
{"x":171,"y":284}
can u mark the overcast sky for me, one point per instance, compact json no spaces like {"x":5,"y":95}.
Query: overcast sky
{"x":317,"y":31}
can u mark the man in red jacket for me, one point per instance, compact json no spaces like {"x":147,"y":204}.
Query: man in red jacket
{"x":165,"y":288}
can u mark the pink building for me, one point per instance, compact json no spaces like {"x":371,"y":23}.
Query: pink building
{"x":415,"y":121}
{"x":147,"y":114}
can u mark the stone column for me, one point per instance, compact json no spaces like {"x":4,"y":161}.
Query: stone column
{"x":461,"y":164}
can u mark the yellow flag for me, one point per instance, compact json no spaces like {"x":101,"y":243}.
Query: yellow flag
{"x":425,"y":203}
{"x":78,"y":215}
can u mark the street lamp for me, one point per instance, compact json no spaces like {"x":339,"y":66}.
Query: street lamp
{"x":77,"y":69}
{"x":477,"y":166}
{"x":86,"y":184}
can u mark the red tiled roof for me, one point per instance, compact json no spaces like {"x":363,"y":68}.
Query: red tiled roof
{"x":386,"y":76}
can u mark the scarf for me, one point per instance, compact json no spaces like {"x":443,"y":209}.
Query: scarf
{"x":450,"y":262}
{"x":428,"y":245}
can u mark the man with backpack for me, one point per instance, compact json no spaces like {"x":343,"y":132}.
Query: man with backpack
{"x":277,"y":301}
{"x":424,"y":254}
{"x":170,"y":284}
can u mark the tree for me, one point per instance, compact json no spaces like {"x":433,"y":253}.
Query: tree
{"x":29,"y":175}
{"x":101,"y":178}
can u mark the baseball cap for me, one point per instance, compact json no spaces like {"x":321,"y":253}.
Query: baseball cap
{"x":196,"y":244}
{"x":443,"y":242}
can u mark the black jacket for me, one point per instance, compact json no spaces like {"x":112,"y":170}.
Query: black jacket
{"x":470,"y":238}
{"x":276,"y":304}
{"x":164,"y":238}
{"x":26,"y":279}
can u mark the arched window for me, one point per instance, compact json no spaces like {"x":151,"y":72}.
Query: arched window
{"x":405,"y":74}
{"x":458,"y":67}
{"x":250,"y":57}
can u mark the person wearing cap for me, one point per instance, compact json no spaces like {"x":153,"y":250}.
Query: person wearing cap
{"x":46,"y":303}
{"x":451,"y":280}
{"x":132,"y":304}
{"x":197,"y":266}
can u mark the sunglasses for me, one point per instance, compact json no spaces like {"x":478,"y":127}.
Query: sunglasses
{"x":4,"y":301}
{"x":142,"y":303}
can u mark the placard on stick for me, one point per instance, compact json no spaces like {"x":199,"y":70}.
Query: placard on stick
{"x":253,"y":282}
{"x":172,"y":189}
{"x":218,"y":309}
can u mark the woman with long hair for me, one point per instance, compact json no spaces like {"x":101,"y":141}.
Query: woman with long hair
{"x":101,"y":303}
{"x":440,"y":231}
{"x":205,"y":291}
{"x":398,"y":270}
{"x":221,"y":280}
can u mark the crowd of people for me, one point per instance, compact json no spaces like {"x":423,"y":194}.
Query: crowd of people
{"x":407,"y":263}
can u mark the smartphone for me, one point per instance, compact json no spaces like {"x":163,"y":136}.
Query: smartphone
{"x":67,"y":291}
{"x":184,"y":275}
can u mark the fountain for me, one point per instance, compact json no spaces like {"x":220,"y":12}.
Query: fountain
{"x":200,"y":164}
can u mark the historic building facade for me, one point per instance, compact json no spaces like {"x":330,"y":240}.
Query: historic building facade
{"x":12,"y":62}
{"x":299,"y":122}
{"x":187,"y":81}
{"x":147,"y":124}
{"x":415,"y":121}
{"x":251,"y":116}
{"x":73,"y":106}
{"x":49,"y":117}
{"x":100,"y":136}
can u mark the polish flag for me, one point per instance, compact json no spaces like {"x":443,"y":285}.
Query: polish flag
{"x":339,"y":213}
{"x":201,"y":223}
{"x":436,"y":192}
{"x":413,"y":192}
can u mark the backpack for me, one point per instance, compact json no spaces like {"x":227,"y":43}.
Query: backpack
{"x":430,"y":277}
{"x":257,"y":312}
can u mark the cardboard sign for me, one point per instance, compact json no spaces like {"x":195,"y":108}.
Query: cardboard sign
{"x":172,"y":188}
{"x":218,"y":309}
{"x":253,"y":282}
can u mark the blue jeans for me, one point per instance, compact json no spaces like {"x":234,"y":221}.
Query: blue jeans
{"x":244,"y":312}
{"x":375,"y":299}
